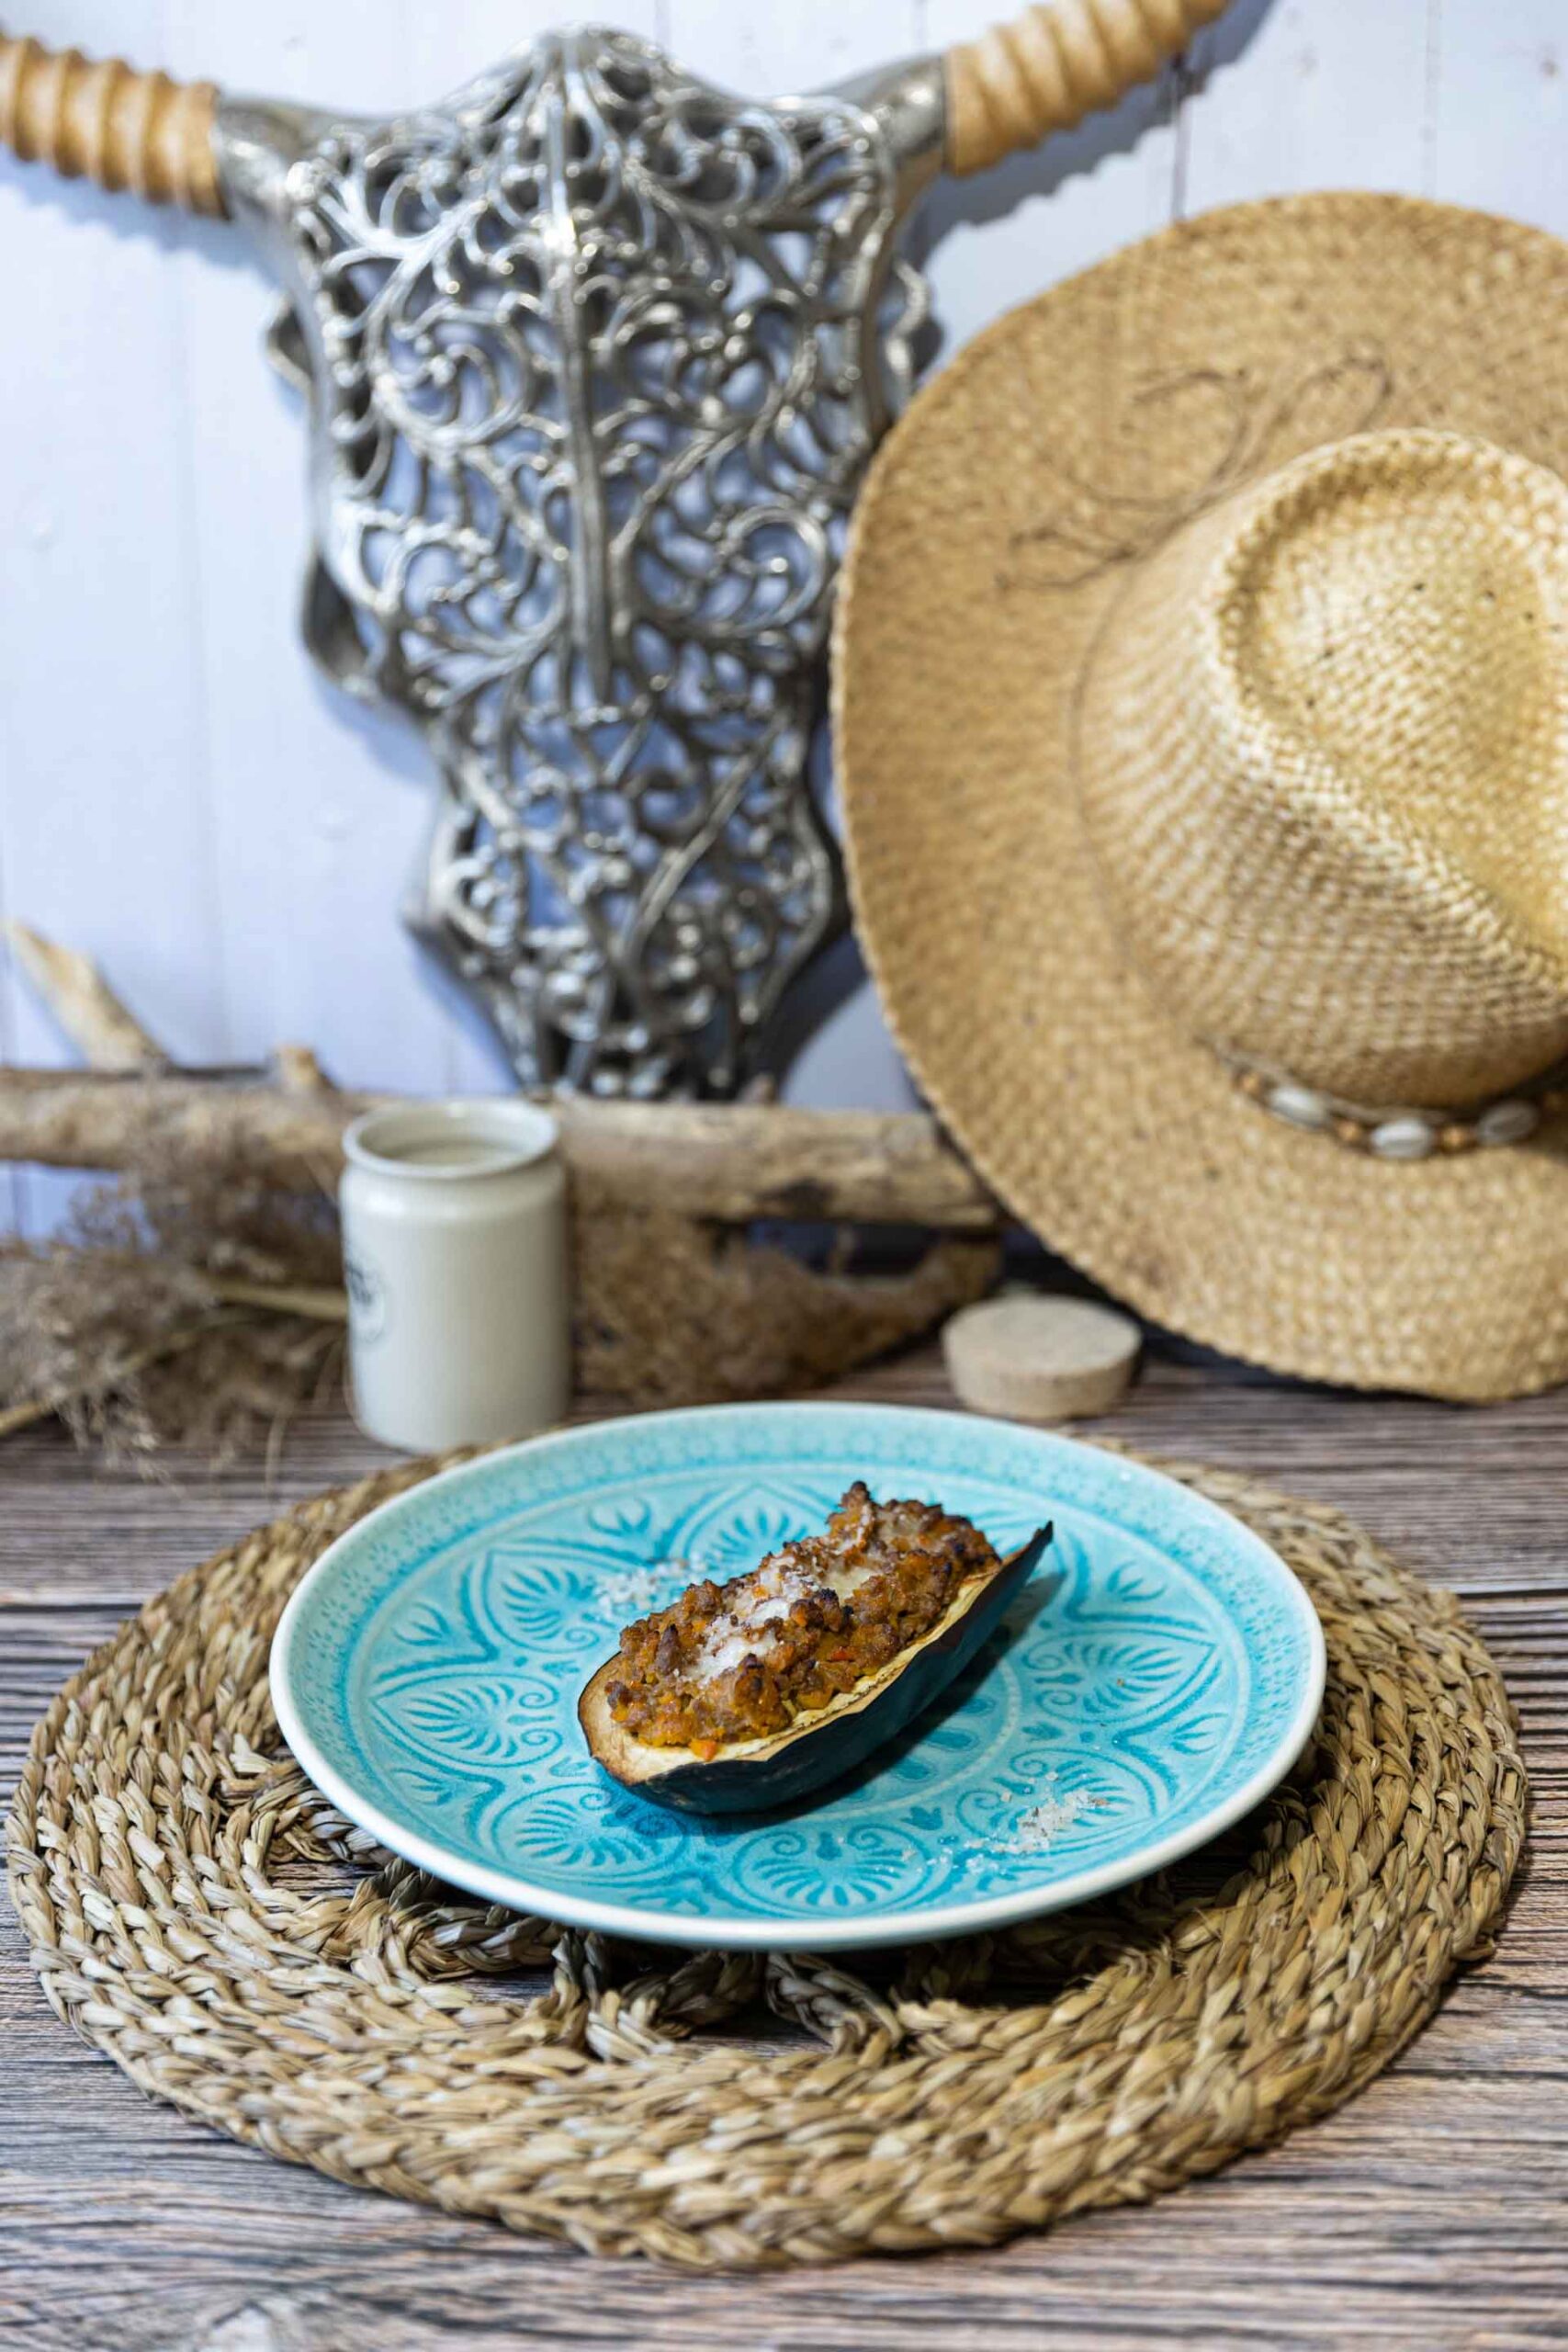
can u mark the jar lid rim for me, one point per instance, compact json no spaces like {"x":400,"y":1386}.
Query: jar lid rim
{"x":520,"y":1135}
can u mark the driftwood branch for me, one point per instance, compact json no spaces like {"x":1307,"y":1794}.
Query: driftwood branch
{"x":735,"y":1162}
{"x":109,"y":1035}
{"x":729,"y":1162}
{"x":298,"y":1072}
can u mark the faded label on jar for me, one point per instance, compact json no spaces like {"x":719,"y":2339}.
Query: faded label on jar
{"x":367,"y":1298}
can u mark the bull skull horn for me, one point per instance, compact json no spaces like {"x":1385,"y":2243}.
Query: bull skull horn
{"x":596,"y":358}
{"x":104,"y":120}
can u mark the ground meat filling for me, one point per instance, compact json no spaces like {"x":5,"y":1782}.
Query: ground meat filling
{"x":740,"y":1661}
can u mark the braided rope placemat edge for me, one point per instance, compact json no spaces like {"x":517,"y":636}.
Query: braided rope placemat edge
{"x":993,"y":2085}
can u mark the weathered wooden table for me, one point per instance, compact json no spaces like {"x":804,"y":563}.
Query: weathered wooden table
{"x":1430,"y":2215}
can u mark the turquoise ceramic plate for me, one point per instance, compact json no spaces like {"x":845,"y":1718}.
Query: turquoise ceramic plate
{"x":1158,"y":1676}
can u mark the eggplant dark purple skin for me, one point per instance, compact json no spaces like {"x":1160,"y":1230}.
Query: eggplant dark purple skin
{"x":758,"y":1776}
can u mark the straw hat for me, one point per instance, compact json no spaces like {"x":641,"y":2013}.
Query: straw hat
{"x":1202,"y":702}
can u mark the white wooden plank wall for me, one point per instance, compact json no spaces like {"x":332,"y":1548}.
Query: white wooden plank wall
{"x":177,"y":792}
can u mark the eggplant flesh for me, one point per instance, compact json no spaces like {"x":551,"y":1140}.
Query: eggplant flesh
{"x":758,"y":1775}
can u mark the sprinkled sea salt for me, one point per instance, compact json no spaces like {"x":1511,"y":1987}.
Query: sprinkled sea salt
{"x":749,"y":1626}
{"x":1033,"y":1830}
{"x":721,"y":1656}
{"x":634,"y":1591}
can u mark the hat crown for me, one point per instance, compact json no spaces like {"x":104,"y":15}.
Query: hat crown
{"x":1322,"y":752}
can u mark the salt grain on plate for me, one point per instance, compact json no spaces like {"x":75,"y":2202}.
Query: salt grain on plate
{"x":1033,"y":1830}
{"x":635,"y":1591}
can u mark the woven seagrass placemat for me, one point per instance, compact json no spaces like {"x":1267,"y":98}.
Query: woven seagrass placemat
{"x":160,"y":1861}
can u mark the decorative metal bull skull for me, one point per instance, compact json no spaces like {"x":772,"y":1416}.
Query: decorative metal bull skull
{"x":594,"y":376}
{"x":596,"y":357}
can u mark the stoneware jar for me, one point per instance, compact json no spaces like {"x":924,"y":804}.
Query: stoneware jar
{"x":455,"y":1254}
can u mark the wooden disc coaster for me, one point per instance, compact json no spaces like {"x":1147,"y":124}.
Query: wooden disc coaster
{"x":1032,"y":1357}
{"x":946,"y":2095}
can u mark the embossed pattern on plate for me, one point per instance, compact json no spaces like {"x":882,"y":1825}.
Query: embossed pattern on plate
{"x":1158,"y":1675}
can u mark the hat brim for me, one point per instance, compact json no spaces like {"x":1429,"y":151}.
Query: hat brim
{"x":996,"y":529}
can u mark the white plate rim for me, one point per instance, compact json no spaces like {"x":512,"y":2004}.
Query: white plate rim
{"x":639,"y":1925}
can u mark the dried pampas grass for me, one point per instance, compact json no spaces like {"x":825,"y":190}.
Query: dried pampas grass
{"x":672,"y":1312}
{"x":182,"y":1304}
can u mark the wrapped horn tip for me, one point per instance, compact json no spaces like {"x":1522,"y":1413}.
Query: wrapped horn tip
{"x":101,"y":119}
{"x":1054,"y":65}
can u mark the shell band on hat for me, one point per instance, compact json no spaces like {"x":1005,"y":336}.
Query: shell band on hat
{"x":1406,"y":1130}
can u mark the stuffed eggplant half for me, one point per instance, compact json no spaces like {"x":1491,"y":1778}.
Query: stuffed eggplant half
{"x":744,"y":1696}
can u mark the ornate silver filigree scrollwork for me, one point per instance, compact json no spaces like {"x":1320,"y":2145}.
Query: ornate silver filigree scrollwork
{"x":597,"y":355}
